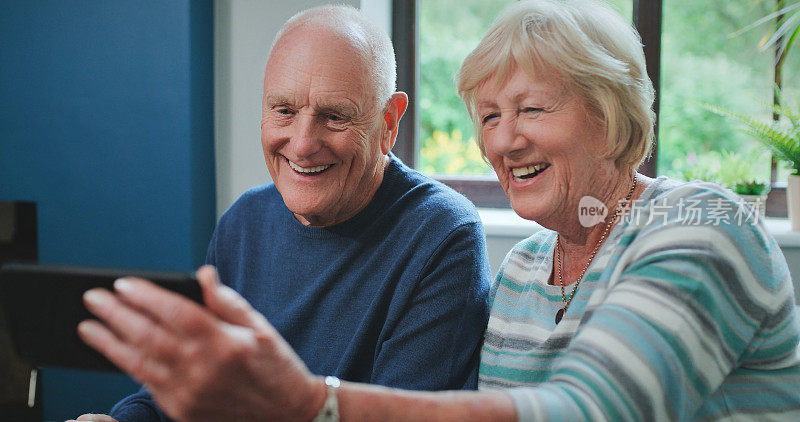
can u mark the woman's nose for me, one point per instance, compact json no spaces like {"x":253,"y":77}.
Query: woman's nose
{"x":507,"y":139}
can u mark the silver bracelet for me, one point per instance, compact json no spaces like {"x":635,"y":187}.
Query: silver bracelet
{"x":330,"y":410}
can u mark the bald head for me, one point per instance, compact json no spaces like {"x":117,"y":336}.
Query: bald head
{"x":351,"y":29}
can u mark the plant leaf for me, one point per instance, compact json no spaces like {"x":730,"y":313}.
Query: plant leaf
{"x":767,"y":18}
{"x":784,"y":142}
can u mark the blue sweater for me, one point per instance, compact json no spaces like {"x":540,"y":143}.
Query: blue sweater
{"x":394,"y":296}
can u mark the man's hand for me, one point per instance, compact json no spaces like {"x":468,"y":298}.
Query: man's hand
{"x":219,"y":362}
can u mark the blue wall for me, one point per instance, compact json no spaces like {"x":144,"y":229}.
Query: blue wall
{"x":106,"y":122}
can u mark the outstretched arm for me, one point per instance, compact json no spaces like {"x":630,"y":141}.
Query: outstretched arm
{"x":225,"y":361}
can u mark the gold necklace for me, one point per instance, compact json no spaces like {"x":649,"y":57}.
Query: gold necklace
{"x":559,"y":251}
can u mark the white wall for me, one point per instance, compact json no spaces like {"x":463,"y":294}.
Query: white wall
{"x":243,"y":33}
{"x":380,"y":11}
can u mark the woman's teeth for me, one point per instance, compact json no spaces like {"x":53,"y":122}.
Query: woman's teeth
{"x":524,"y":173}
{"x":307,"y":170}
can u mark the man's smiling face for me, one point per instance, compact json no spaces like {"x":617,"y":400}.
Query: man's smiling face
{"x":321,"y":130}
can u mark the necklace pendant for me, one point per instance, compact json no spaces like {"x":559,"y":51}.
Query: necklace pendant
{"x":559,"y":315}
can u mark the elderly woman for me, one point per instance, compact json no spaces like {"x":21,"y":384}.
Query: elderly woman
{"x":679,"y":309}
{"x":673,"y":304}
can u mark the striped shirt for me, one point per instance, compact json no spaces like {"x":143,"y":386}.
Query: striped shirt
{"x":686,"y":313}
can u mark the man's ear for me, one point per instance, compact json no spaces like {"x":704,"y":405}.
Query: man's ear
{"x":391,"y":117}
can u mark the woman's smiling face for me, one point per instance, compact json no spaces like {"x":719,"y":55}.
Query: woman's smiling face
{"x":544,"y":144}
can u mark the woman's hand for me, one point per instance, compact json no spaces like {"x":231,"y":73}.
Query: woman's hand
{"x":224,"y":361}
{"x":93,"y":418}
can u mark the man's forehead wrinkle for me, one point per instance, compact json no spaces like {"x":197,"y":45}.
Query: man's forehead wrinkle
{"x":335,"y":101}
{"x":321,"y":92}
{"x":275,"y":99}
{"x":279,"y":80}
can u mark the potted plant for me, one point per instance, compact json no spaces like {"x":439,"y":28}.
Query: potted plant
{"x":782,"y":138}
{"x":754,"y":193}
{"x":735,"y":171}
{"x":738,"y":174}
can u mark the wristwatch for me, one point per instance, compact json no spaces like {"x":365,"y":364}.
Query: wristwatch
{"x":330,"y":410}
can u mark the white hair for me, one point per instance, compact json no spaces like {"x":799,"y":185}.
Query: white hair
{"x":368,"y":39}
{"x":591,"y":48}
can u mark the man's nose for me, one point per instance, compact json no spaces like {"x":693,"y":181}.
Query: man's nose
{"x":306,"y":139}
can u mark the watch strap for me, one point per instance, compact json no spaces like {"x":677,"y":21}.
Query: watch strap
{"x":330,"y":410}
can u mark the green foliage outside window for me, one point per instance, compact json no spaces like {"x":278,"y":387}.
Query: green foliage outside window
{"x":732,"y":170}
{"x":781,"y":136}
{"x":449,"y":30}
{"x":444,"y":153}
{"x":703,"y":62}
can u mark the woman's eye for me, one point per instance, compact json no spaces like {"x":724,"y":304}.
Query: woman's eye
{"x":487,"y":118}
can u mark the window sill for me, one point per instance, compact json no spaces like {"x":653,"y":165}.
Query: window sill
{"x":506,"y":223}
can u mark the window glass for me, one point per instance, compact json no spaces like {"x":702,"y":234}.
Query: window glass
{"x":705,"y":61}
{"x":448,"y":31}
{"x":623,"y":7}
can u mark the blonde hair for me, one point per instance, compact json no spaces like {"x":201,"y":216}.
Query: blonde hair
{"x":586,"y":45}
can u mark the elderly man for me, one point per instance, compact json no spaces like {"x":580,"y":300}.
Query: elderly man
{"x":371,"y":271}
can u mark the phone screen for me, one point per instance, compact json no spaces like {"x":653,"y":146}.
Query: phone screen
{"x":43,"y":306}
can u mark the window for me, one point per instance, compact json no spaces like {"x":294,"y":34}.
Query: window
{"x":448,"y":31}
{"x":433,"y":36}
{"x":727,"y":70}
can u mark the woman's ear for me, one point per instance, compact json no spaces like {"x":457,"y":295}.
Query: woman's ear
{"x":391,"y":117}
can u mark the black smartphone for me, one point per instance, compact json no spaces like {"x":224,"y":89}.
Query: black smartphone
{"x":43,"y":306}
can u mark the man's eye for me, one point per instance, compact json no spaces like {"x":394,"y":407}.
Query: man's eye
{"x":284,"y":111}
{"x":531,"y":110}
{"x":335,"y":121}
